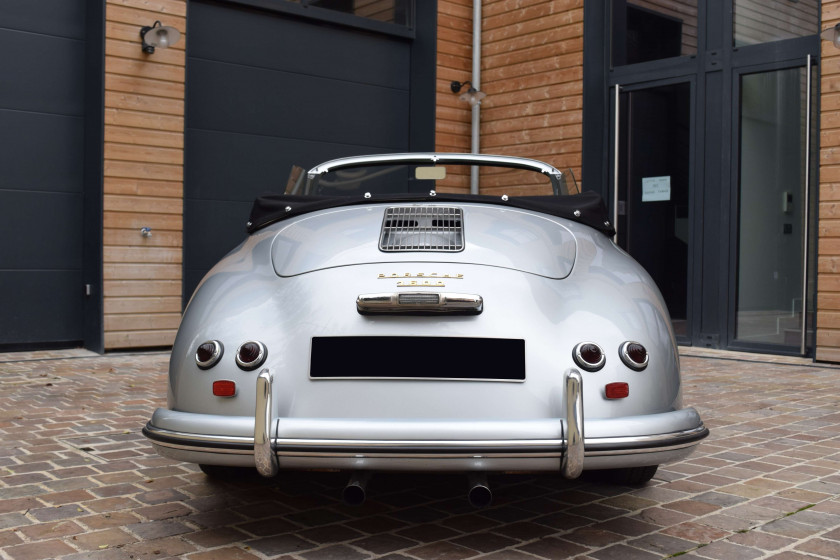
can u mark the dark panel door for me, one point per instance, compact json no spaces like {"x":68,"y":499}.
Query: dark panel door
{"x":41,"y":171}
{"x":266,"y":91}
{"x":654,"y":189}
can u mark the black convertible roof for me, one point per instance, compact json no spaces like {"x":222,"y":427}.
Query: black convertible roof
{"x":587,"y":208}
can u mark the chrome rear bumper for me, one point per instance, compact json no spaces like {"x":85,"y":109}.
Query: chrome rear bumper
{"x":547,"y":444}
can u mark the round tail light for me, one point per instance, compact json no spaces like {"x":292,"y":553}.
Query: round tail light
{"x":634,"y":355}
{"x":208,"y":354}
{"x":589,"y":356}
{"x":251,"y":355}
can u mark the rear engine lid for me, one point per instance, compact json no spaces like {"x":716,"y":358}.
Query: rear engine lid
{"x":439,"y":233}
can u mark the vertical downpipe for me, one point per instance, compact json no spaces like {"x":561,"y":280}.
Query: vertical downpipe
{"x":476,"y":83}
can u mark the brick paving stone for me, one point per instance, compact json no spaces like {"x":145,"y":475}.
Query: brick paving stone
{"x":427,"y":532}
{"x":623,"y":552}
{"x":723,"y":550}
{"x":662,"y":517}
{"x":761,"y":540}
{"x":375,"y":524}
{"x":329,"y":534}
{"x":791,"y":555}
{"x":696,"y":532}
{"x":593,"y":538}
{"x":523,"y":531}
{"x":788,"y":527}
{"x":103,"y":539}
{"x":553,"y":548}
{"x":58,"y":512}
{"x":163,"y":511}
{"x":663,"y":545}
{"x":53,"y":530}
{"x":336,"y":552}
{"x":157,"y":529}
{"x":39,"y":551}
{"x":441,"y":551}
{"x":485,"y":542}
{"x":820,"y":547}
{"x":212,"y":538}
{"x":506,"y":555}
{"x":228,"y":553}
{"x":280,"y":544}
{"x":114,"y":519}
{"x":383,"y":543}
{"x":268,"y":527}
{"x":166,"y":547}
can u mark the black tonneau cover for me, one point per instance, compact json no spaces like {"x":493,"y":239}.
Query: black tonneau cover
{"x":271,"y":208}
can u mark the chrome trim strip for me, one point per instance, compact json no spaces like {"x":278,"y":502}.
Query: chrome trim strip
{"x":281,"y":443}
{"x":393,"y":303}
{"x":655,"y":440}
{"x":264,"y":457}
{"x":164,"y":436}
{"x":572,"y":464}
{"x":593,"y":447}
{"x":616,"y":145}
{"x":806,"y":207}
{"x":637,"y":451}
{"x":430,"y":157}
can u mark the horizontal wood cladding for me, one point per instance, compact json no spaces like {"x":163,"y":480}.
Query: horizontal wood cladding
{"x":532,"y":73}
{"x":454,"y":63}
{"x":143,"y":166}
{"x":828,"y":263}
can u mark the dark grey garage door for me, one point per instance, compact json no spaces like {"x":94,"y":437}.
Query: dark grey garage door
{"x":267,"y":90}
{"x":41,"y":171}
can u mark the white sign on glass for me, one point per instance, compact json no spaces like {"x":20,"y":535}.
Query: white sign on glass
{"x":655,"y":189}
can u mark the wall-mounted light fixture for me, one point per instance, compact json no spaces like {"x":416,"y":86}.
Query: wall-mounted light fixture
{"x":158,"y":35}
{"x":832,"y":34}
{"x":472,"y":95}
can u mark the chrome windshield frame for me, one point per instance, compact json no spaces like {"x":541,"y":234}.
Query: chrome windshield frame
{"x":554,"y":174}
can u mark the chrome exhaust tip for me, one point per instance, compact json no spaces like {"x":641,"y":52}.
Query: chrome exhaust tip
{"x":479,"y":493}
{"x":355,"y":493}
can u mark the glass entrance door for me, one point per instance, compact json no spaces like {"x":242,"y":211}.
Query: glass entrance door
{"x":772,"y":289}
{"x":653,"y":189}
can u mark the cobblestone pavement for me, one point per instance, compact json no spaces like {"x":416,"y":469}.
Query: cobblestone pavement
{"x":78,"y":480}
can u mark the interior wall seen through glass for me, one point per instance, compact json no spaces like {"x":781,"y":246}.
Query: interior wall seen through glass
{"x":645,"y":30}
{"x":771,"y":207}
{"x":764,"y":21}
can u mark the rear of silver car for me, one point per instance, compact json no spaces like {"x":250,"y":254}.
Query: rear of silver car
{"x":426,"y":335}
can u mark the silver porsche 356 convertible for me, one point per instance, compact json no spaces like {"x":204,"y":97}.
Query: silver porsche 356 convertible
{"x":373,"y":320}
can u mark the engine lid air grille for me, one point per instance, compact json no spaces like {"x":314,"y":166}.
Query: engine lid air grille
{"x":422,"y":228}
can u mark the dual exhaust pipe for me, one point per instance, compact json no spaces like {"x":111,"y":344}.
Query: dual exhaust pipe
{"x":478,"y":489}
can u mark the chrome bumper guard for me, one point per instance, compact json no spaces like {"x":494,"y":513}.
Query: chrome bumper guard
{"x":572,"y":445}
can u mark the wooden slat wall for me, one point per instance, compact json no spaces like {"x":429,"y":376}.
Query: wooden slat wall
{"x":454,"y":63}
{"x":532,"y":73}
{"x":144,"y":140}
{"x":828,"y":276}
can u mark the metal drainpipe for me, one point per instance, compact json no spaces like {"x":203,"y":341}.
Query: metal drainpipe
{"x":476,"y":83}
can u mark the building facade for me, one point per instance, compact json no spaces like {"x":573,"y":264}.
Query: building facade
{"x":710,"y":127}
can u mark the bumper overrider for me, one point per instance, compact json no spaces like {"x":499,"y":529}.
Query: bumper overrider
{"x":365,"y":444}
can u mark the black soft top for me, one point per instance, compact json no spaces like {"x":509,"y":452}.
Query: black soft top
{"x":587,"y":208}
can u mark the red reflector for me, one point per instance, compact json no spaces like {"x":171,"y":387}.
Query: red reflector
{"x":224,"y":388}
{"x":617,"y":390}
